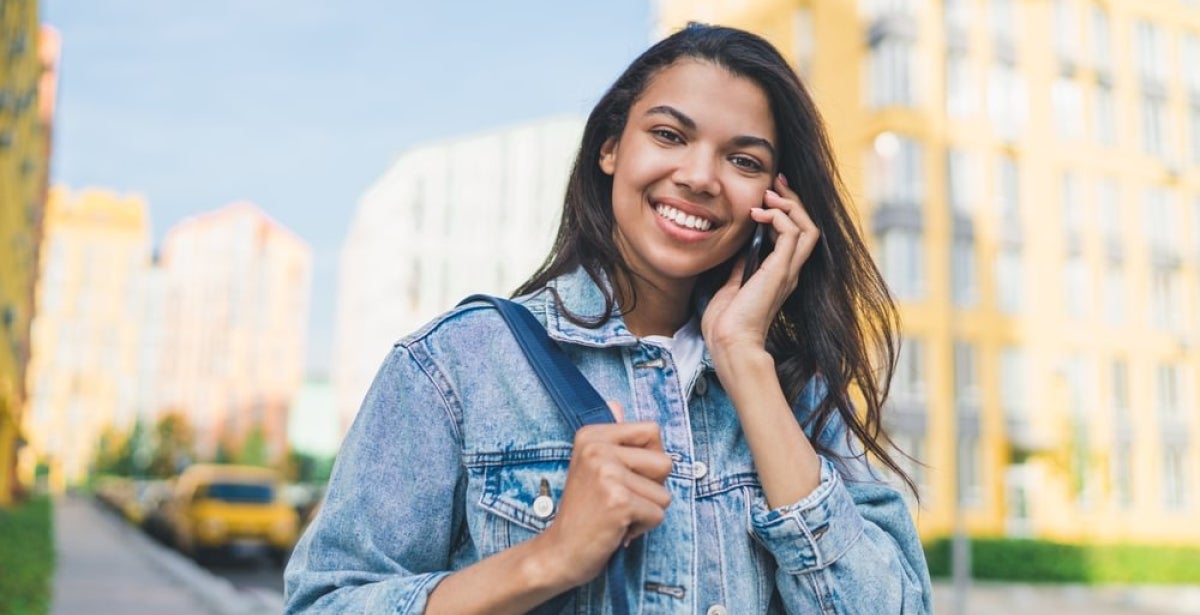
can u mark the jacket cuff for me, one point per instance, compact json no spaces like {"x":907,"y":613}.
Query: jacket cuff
{"x":812,"y":533}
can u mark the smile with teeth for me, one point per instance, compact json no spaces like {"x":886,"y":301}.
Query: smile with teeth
{"x":667,"y":212}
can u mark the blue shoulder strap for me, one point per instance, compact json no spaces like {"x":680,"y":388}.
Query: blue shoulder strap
{"x":577,"y":400}
{"x":579,"y":404}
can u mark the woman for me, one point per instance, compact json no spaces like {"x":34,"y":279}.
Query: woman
{"x":737,"y":474}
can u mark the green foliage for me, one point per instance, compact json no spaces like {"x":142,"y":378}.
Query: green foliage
{"x":1039,"y":561}
{"x":26,"y":558}
{"x":254,"y":449}
{"x":308,"y":468}
{"x":171,"y":446}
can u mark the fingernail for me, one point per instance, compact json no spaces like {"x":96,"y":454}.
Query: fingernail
{"x":783,"y":180}
{"x":773,"y":193}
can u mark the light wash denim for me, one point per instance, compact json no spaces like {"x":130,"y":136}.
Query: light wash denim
{"x":456,"y":437}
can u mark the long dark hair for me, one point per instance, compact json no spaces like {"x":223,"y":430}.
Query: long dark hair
{"x":841,"y":322}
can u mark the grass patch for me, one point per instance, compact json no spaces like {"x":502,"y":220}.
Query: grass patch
{"x":26,"y":557}
{"x":1041,"y":561}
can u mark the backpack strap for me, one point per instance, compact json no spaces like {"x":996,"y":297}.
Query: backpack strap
{"x":579,"y":404}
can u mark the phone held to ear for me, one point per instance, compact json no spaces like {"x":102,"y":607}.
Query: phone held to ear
{"x":754,"y":252}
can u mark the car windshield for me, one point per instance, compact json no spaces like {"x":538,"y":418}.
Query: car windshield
{"x":240,"y":492}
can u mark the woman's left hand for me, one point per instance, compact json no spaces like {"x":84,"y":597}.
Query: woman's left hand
{"x":738,"y":317}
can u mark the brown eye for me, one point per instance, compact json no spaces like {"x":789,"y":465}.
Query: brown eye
{"x":746,"y":163}
{"x":669,"y":136}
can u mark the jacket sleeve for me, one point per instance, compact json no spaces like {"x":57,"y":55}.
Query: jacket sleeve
{"x":384,"y":535}
{"x":848,"y":547}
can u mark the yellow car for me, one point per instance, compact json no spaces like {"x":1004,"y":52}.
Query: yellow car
{"x":233,"y":510}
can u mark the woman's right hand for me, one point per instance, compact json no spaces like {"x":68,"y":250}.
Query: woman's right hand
{"x":614,"y":493}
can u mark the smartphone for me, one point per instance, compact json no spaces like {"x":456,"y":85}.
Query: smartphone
{"x":754,"y":251}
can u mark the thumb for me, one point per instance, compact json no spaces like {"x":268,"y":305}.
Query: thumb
{"x":617,"y":410}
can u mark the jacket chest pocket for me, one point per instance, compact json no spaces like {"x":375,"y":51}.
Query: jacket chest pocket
{"x":520,"y":495}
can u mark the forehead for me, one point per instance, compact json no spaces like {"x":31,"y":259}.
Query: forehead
{"x":712,"y":96}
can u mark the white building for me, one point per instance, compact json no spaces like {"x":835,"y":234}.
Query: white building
{"x":236,"y":310}
{"x":466,"y":215}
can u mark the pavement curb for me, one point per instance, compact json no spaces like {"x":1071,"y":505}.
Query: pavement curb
{"x":218,"y":595}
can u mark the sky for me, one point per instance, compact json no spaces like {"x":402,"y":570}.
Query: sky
{"x":298,"y":105}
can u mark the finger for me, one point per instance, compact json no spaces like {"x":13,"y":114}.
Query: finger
{"x":642,"y":434}
{"x":655,"y":465}
{"x":789,"y":201}
{"x":648,"y":489}
{"x":617,"y":411}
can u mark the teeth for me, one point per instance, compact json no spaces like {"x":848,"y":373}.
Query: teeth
{"x":682,"y":219}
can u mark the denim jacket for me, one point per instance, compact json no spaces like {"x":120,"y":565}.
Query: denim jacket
{"x":456,"y":439}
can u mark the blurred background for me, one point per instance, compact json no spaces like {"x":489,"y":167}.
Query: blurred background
{"x":216,"y":218}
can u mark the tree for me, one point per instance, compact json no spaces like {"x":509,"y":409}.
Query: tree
{"x":173,"y":445}
{"x":254,"y":449}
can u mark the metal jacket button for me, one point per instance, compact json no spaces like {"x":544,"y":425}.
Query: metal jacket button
{"x":699,"y":469}
{"x":543,"y":504}
{"x":702,"y":386}
{"x":717,"y":609}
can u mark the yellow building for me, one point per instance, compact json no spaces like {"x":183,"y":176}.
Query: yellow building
{"x":1029,"y":174}
{"x":27,"y":77}
{"x":83,"y":372}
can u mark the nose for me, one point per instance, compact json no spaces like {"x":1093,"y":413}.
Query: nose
{"x":697,"y":171}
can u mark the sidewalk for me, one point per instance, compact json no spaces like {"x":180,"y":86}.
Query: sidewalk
{"x":106,"y":567}
{"x":989,"y":598}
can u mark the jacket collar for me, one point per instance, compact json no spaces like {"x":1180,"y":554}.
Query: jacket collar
{"x":584,"y":298}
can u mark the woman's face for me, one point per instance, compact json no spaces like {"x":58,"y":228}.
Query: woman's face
{"x":697,"y":152}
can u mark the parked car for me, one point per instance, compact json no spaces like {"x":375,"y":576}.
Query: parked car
{"x":231,"y":510}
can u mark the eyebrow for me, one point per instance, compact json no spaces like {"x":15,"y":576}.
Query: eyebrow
{"x":690,"y":124}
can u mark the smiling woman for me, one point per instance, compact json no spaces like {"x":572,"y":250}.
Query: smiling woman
{"x":737,"y":473}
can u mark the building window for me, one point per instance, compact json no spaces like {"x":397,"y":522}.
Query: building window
{"x":966,"y":377}
{"x":1164,"y":296}
{"x":1009,"y":281}
{"x":1191,"y":58}
{"x":1151,"y":57}
{"x":1104,"y":115}
{"x":1002,"y":18}
{"x":1108,"y":213}
{"x":1007,"y":190}
{"x":963,"y":266}
{"x":913,"y":447}
{"x":1014,"y":397}
{"x":1072,"y":207}
{"x":1076,"y":289}
{"x":1101,"y":39}
{"x":1114,"y":295}
{"x":1167,"y":392}
{"x":1006,"y":101}
{"x":961,"y":93}
{"x":1067,"y":99}
{"x":892,"y":72}
{"x":1066,"y":31}
{"x":1194,"y":133}
{"x":903,"y":263}
{"x":908,"y":384}
{"x":896,"y":177}
{"x":1122,"y":470}
{"x":958,"y":15}
{"x":1068,"y":108}
{"x":1162,"y":223}
{"x":970,"y":468}
{"x":1175,"y":478}
{"x":1154,"y":126}
{"x":962,"y":171}
{"x":1119,"y":387}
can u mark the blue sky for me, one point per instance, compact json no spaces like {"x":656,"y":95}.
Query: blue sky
{"x":298,"y":105}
